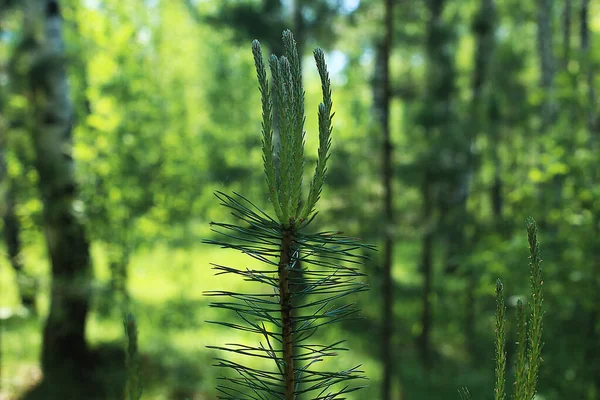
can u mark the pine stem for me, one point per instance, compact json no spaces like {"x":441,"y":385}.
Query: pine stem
{"x":499,"y":392}
{"x":286,"y":313}
{"x":536,"y":316}
{"x":521,"y":377}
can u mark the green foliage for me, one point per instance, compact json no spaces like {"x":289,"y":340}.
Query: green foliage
{"x":464,"y":394}
{"x":529,"y":355}
{"x":521,"y":372}
{"x":287,"y":94}
{"x":166,"y":115}
{"x":534,"y":356}
{"x":305,"y":275}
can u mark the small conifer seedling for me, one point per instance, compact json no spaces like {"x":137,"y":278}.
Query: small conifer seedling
{"x":304,"y":276}
{"x":529,"y":331}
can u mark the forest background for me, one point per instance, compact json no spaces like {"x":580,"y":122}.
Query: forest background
{"x":454,"y":121}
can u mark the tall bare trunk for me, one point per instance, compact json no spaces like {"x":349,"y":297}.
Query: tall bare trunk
{"x":548,"y":107}
{"x":483,"y":29}
{"x":547,"y":62}
{"x":381,"y":103}
{"x":590,"y":73}
{"x":439,"y":122}
{"x":593,"y":332}
{"x":25,"y":283}
{"x":65,"y":350}
{"x":427,"y":270}
{"x":12,"y":227}
{"x":299,"y":27}
{"x":566,"y":25}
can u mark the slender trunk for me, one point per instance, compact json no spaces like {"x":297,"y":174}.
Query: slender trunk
{"x":427,"y":271}
{"x":548,"y":109}
{"x":471,"y":312}
{"x":11,"y":232}
{"x":547,"y":64}
{"x":589,"y":67}
{"x":381,"y":102}
{"x":593,"y":354}
{"x":119,"y":275}
{"x":299,"y":28}
{"x":25,"y":283}
{"x":566,"y":20}
{"x":483,"y":28}
{"x":438,"y":97}
{"x":12,"y":227}
{"x":64,"y":349}
{"x":285,"y":302}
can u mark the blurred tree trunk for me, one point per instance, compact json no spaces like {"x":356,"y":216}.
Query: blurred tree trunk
{"x":566,"y":25}
{"x":547,"y":63}
{"x":589,"y":68}
{"x":592,"y":355}
{"x":426,"y":266}
{"x":381,"y":109}
{"x":483,"y":29}
{"x":299,"y":27}
{"x":443,"y":164}
{"x":26,"y":284}
{"x":549,"y":113}
{"x":64,"y":348}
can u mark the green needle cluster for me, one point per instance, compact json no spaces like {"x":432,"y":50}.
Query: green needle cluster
{"x":529,"y":334}
{"x":285,"y":98}
{"x":529,"y":331}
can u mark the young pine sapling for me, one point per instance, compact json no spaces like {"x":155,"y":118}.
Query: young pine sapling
{"x":306,"y":275}
{"x":529,"y":331}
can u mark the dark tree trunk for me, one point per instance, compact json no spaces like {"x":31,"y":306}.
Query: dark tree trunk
{"x":589,"y":68}
{"x":440,"y":125}
{"x":566,"y":25}
{"x":483,"y":29}
{"x":11,"y":231}
{"x":427,"y":271}
{"x":299,"y":27}
{"x":25,"y":283}
{"x":381,"y":103}
{"x":547,"y":63}
{"x":64,"y":349}
{"x":592,"y":357}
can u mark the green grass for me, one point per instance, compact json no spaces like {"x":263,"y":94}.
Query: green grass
{"x":166,"y":286}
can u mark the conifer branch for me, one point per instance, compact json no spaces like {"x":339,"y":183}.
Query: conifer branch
{"x":279,"y":87}
{"x":521,"y":373}
{"x":529,"y":334}
{"x":535,"y":321}
{"x":297,"y":100}
{"x":267,"y":128}
{"x":464,"y":394}
{"x":308,"y":275}
{"x":325,"y":128}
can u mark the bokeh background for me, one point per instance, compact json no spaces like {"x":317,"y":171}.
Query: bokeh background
{"x":454,"y":121}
